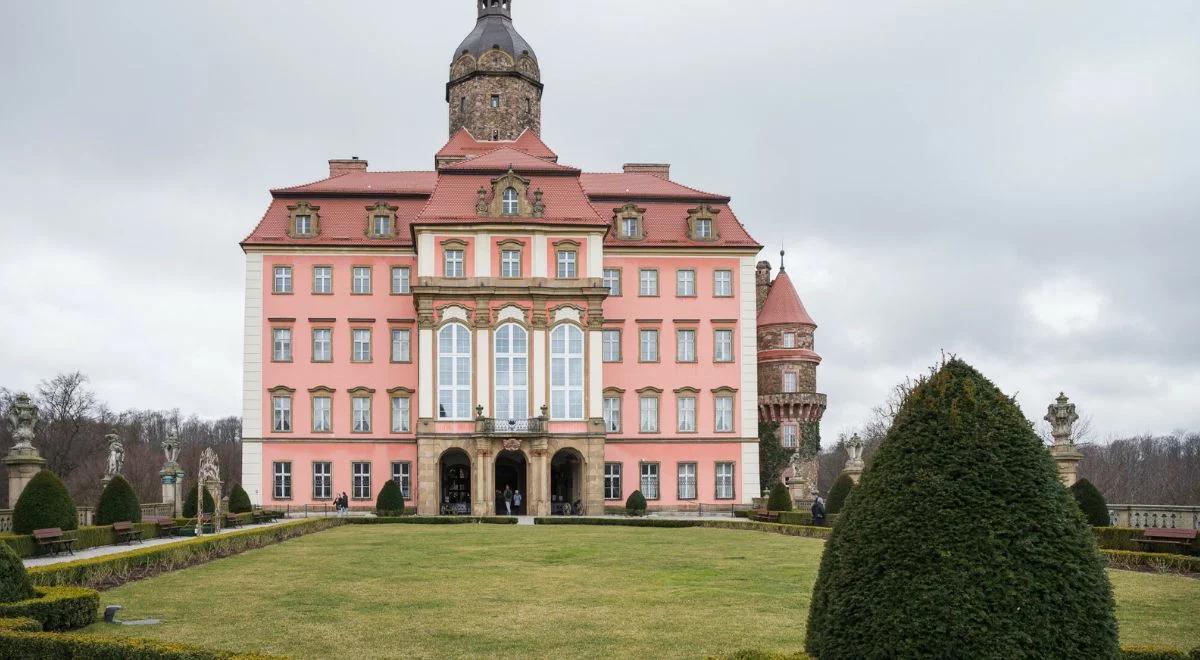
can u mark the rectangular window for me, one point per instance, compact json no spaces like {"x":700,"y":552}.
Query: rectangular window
{"x":685,"y":283}
{"x":648,"y":346}
{"x":281,"y":342}
{"x":789,"y":340}
{"x":687,"y":481}
{"x":650,"y":481}
{"x":724,"y":407}
{"x":723,"y":346}
{"x":362,"y":345}
{"x":724,"y":481}
{"x":401,"y":345}
{"x":383,"y":225}
{"x":612,"y":414}
{"x":612,"y":481}
{"x":322,"y":480}
{"x":283,"y":480}
{"x":703,"y":228}
{"x":402,"y":475}
{"x":281,"y":414}
{"x":567,"y":264}
{"x":611,"y":346}
{"x":454,"y":263}
{"x":283,"y":279}
{"x":685,"y":345}
{"x":686,"y":413}
{"x":789,"y":382}
{"x":322,"y":280}
{"x":322,"y":347}
{"x":361,"y":486}
{"x":495,"y":100}
{"x":362,"y":414}
{"x":648,"y":409}
{"x":629,"y":228}
{"x":401,"y":407}
{"x":304,"y":225}
{"x":612,"y":280}
{"x":510,"y":263}
{"x":401,"y":280}
{"x":361,"y":280}
{"x":790,"y":434}
{"x":723,"y":283}
{"x":322,"y":415}
{"x":648,"y":283}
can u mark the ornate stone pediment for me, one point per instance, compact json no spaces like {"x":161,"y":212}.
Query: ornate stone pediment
{"x":629,"y":222}
{"x":501,"y":202}
{"x":304,"y":221}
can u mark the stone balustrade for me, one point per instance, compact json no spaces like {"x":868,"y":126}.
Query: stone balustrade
{"x":1142,"y":516}
{"x":87,"y":514}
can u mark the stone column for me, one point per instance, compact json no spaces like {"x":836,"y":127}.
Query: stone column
{"x":1062,"y":417}
{"x":23,"y":460}
{"x":539,"y":478}
{"x":428,"y":477}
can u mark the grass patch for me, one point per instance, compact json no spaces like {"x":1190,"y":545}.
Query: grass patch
{"x":541,"y":591}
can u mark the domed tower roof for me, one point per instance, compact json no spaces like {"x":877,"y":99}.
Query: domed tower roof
{"x":783,"y":304}
{"x":494,"y":29}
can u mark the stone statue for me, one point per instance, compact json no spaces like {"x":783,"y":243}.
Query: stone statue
{"x":22,"y":418}
{"x":854,"y":447}
{"x":1062,"y":418}
{"x":210,"y":470}
{"x":170,"y":448}
{"x":116,"y":454}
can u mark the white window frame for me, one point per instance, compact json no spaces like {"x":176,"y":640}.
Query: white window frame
{"x":303,"y":225}
{"x":724,"y":480}
{"x":567,"y":264}
{"x":322,"y":349}
{"x":648,"y":414}
{"x":789,"y":436}
{"x":566,"y":372}
{"x":360,"y":480}
{"x":791,"y":382}
{"x":281,"y":481}
{"x":360,"y":417}
{"x":454,"y":263}
{"x":401,"y":280}
{"x":322,"y":280}
{"x":723,"y":283}
{"x":401,"y":345}
{"x":610,"y":346}
{"x":723,"y":345}
{"x":381,"y":225}
{"x":403,"y":477}
{"x":510,"y":200}
{"x":685,"y":283}
{"x":685,"y":345}
{"x":647,"y":283}
{"x":361,"y":345}
{"x":361,"y":280}
{"x":510,"y":264}
{"x":281,"y":344}
{"x":685,"y":413}
{"x":612,"y":481}
{"x":612,"y":414}
{"x":322,"y":482}
{"x":454,"y":397}
{"x":704,"y":227}
{"x":647,"y":349}
{"x":510,"y":372}
{"x":612,"y":280}
{"x":629,"y":227}
{"x":649,"y":480}
{"x":789,"y":340}
{"x":401,"y":414}
{"x":283,"y":280}
{"x":322,"y":418}
{"x":281,"y":413}
{"x":723,"y":413}
{"x":686,"y":487}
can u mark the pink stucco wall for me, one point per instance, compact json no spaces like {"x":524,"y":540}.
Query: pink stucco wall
{"x":380,"y":455}
{"x":668,"y":457}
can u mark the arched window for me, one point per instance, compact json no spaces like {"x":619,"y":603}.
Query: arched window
{"x":454,"y":372}
{"x":509,"y":200}
{"x":512,"y":372}
{"x":566,"y":372}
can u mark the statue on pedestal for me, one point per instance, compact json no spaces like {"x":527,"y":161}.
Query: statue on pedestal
{"x":1062,"y":417}
{"x":22,"y":418}
{"x":854,"y":447}
{"x":170,"y":448}
{"x":116,"y":455}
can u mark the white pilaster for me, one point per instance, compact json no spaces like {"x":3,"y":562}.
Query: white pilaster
{"x":252,"y":350}
{"x":751,"y":487}
{"x":595,"y":374}
{"x":483,"y":371}
{"x":595,"y":255}
{"x":483,"y":255}
{"x":749,"y":389}
{"x":539,"y":370}
{"x":252,"y":471}
{"x":539,"y":255}
{"x":426,"y":255}
{"x":425,"y":367}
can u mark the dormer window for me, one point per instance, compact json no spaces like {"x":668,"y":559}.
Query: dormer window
{"x":304,"y":225}
{"x":303,"y":220}
{"x":510,"y":202}
{"x":629,"y":221}
{"x":382,"y":221}
{"x":703,"y":228}
{"x":629,"y":227}
{"x":383,"y":225}
{"x":701,"y":223}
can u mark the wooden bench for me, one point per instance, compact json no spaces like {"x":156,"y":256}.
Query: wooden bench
{"x":126,"y":532}
{"x":766,"y":516}
{"x":231,"y":521}
{"x":260,"y":517}
{"x":53,"y":540}
{"x":166,"y":526}
{"x":1179,"y":540}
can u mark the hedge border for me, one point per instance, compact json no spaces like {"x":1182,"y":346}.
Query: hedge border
{"x":776,"y":528}
{"x":91,"y":536}
{"x":433,"y":520}
{"x":1132,"y":652}
{"x":36,"y":645}
{"x":1156,"y":562}
{"x":56,"y":608}
{"x":20,"y":624}
{"x":114,"y":570}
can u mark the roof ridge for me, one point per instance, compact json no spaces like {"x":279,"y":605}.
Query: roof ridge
{"x":670,"y":181}
{"x":310,"y":183}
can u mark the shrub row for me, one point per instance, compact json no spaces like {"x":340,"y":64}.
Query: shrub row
{"x":1157,"y":562}
{"x":85,"y":537}
{"x":1126,"y":653}
{"x":56,"y":608}
{"x":36,"y":645}
{"x":1118,"y":538}
{"x":433,"y":520}
{"x":804,"y":518}
{"x":113,"y":570}
{"x":20,"y":624}
{"x":776,"y":528}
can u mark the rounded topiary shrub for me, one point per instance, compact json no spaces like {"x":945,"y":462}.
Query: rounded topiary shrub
{"x":239,"y":501}
{"x":118,"y":503}
{"x":838,"y":493}
{"x":960,"y":541}
{"x":189,"y":502}
{"x":390,"y":501}
{"x":780,"y":499}
{"x":1091,"y":502}
{"x":14,"y":581}
{"x":44,"y":503}
{"x":636,"y":504}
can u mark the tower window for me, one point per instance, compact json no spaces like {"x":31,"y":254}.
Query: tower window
{"x":462,"y":104}
{"x":528,"y":105}
{"x":495,"y":100}
{"x":509,"y":201}
{"x":495,"y":135}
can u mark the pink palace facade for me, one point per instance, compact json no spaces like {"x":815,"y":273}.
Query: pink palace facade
{"x":504,"y":320}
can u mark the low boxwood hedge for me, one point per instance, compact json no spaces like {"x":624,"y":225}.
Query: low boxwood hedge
{"x":1126,"y":653}
{"x":56,"y":608}
{"x":37,"y":645}
{"x":1157,"y":562}
{"x":85,"y":537}
{"x":20,"y":624}
{"x":433,"y":520}
{"x":714,"y":523}
{"x":1118,"y":538}
{"x":114,"y":570}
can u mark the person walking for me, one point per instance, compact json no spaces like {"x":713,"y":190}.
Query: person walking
{"x":345,"y":504}
{"x":818,"y":512}
{"x":517,"y":501}
{"x":508,"y":500}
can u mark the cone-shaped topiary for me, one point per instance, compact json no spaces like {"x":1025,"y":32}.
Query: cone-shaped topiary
{"x":189,"y":502}
{"x":14,"y":581}
{"x":118,"y":503}
{"x":1091,"y":502}
{"x":636,"y":504}
{"x":780,"y":499}
{"x":239,"y":501}
{"x":390,"y":501}
{"x":44,"y":503}
{"x":838,"y":493}
{"x":960,"y":541}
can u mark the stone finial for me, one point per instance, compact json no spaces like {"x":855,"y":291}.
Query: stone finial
{"x":1062,"y":418}
{"x":481,"y":205}
{"x":116,"y":454}
{"x":170,"y":448}
{"x":854,"y":447}
{"x":539,"y":208}
{"x":479,"y":411}
{"x":22,"y":419}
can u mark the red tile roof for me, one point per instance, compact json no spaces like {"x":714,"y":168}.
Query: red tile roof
{"x":503,"y":158}
{"x":640,"y":186}
{"x":666,"y":225}
{"x":456,"y":195}
{"x":378,"y":183}
{"x":783,"y":304}
{"x":462,"y":144}
{"x":342,"y":222}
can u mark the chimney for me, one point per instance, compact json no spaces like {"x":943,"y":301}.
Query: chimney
{"x":660,"y":170}
{"x":762,"y":283}
{"x":340,"y":167}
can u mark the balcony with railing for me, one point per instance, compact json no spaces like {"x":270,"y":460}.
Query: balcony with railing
{"x":532,"y":425}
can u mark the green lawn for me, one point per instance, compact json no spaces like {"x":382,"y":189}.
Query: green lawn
{"x":419,"y":591}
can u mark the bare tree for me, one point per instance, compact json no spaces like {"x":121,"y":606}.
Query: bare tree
{"x":67,"y":409}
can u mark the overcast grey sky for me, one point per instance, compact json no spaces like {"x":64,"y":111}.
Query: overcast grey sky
{"x":1013,"y":182}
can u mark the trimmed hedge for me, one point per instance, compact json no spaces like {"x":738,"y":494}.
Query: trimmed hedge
{"x":780,"y":499}
{"x":1126,"y":653}
{"x":1091,"y":502}
{"x":114,"y":570}
{"x":838,"y":493}
{"x":44,"y":503}
{"x":66,"y":647}
{"x":636,"y":504}
{"x":390,"y":501}
{"x":57,"y":608}
{"x":433,"y":520}
{"x":742,"y":513}
{"x":713,"y":523}
{"x":189,"y":502}
{"x":239,"y":500}
{"x":85,"y":537}
{"x":14,"y":581}
{"x":1157,"y":562}
{"x":20,"y":624}
{"x":118,"y":503}
{"x":1118,"y":538}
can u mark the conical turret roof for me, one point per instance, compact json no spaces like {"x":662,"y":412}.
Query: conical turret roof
{"x":783,"y":304}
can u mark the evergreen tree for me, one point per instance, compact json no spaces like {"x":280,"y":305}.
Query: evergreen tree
{"x":14,"y":581}
{"x":1091,"y":502}
{"x":960,"y":541}
{"x":636,"y":504}
{"x":838,"y":493}
{"x":390,"y":501}
{"x":239,"y":500}
{"x":780,"y":499}
{"x":44,"y":503}
{"x":118,"y":503}
{"x":189,"y":502}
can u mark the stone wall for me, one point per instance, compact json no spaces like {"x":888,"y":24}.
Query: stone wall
{"x":520,"y":107}
{"x":771,"y":337}
{"x":770,"y":376}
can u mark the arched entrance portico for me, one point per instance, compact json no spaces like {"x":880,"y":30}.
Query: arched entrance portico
{"x":512,"y":470}
{"x":566,"y":482}
{"x":454,"y":483}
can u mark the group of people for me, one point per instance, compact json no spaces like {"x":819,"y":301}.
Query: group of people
{"x":512,"y":500}
{"x":341,"y":504}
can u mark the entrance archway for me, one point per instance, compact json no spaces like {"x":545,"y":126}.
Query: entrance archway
{"x":566,"y":483}
{"x":511,"y":469}
{"x":454,"y":470}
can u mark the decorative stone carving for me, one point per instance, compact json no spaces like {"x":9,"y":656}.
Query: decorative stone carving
{"x":116,"y":455}
{"x":210,"y":468}
{"x":171,"y":474}
{"x":481,"y":204}
{"x":22,"y":419}
{"x":854,"y":464}
{"x":1062,"y":417}
{"x":170,"y":448}
{"x":208,"y":477}
{"x":539,"y":208}
{"x":512,"y":444}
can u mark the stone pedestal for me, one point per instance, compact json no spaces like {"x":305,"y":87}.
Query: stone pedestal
{"x":22,"y":466}
{"x":1067,"y":457}
{"x":172,"y":484}
{"x":855,"y":471}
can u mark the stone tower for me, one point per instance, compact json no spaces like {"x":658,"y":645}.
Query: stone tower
{"x":495,"y":88}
